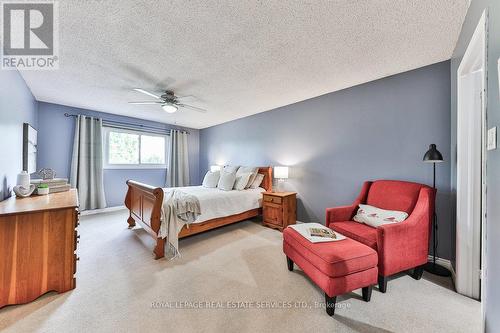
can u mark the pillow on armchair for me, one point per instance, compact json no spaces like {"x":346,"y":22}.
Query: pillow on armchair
{"x":376,"y":217}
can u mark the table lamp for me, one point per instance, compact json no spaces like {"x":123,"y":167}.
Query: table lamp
{"x":280,"y":173}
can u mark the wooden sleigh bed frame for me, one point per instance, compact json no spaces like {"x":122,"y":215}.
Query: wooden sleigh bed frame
{"x":144,"y":203}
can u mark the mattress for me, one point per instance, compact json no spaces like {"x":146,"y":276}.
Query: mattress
{"x":215,"y":203}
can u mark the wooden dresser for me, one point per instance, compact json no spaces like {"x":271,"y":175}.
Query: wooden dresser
{"x":279,"y":209}
{"x":38,"y":240}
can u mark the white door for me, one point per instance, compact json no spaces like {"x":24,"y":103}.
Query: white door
{"x":469,"y":187}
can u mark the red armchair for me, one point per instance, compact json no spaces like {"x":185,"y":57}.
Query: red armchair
{"x":400,"y":246}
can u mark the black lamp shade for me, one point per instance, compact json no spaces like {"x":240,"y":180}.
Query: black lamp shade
{"x":433,"y":155}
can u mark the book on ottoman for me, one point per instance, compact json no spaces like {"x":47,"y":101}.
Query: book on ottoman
{"x":317,"y":233}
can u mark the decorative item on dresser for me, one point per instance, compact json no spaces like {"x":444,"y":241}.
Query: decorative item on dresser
{"x":38,"y":241}
{"x":53,"y":185}
{"x":23,"y":188}
{"x":29,"y":148}
{"x":279,"y":209}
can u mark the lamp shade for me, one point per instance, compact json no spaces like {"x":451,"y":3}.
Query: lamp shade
{"x":433,"y":155}
{"x":281,"y":172}
{"x":214,"y":168}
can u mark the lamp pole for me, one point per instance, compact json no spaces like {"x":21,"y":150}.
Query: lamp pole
{"x":434,"y":156}
{"x":434,"y":216}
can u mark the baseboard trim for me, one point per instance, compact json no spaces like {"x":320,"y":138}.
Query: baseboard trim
{"x":445,"y":263}
{"x":104,"y":210}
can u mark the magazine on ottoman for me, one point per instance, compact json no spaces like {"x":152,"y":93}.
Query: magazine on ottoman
{"x":317,"y":233}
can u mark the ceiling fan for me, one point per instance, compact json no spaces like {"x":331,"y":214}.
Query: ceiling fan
{"x":168,"y":101}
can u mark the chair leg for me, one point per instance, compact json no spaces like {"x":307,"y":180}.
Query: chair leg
{"x":367,"y":293}
{"x":289,"y":263}
{"x":330,"y":304}
{"x":417,"y":272}
{"x":382,"y":283}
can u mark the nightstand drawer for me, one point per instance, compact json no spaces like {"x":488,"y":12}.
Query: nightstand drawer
{"x":270,"y":198}
{"x":271,"y":204}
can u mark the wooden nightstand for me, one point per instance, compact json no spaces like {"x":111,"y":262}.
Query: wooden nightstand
{"x":279,"y":209}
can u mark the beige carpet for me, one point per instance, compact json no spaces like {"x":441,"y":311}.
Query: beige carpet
{"x":118,"y":281}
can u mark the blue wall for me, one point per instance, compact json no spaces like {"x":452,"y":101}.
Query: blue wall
{"x":55,"y":144}
{"x":17,"y":106}
{"x":334,"y":142}
{"x":492,"y":302}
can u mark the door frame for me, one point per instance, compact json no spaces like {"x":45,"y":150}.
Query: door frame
{"x":474,"y":59}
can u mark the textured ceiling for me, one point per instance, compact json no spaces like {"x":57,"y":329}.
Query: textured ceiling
{"x":237,"y":57}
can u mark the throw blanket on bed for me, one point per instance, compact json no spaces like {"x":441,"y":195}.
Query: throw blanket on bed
{"x":179,"y":208}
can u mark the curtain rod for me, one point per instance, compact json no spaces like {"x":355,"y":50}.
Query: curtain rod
{"x":119,"y":124}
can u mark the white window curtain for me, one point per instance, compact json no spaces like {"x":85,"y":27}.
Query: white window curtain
{"x":178,"y":163}
{"x":86,"y":163}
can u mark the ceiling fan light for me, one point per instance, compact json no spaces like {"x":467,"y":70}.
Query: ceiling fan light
{"x":169,"y":108}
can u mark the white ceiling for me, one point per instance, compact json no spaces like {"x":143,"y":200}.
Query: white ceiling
{"x":237,"y":57}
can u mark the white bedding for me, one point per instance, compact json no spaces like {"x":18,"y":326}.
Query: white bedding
{"x":216,"y":203}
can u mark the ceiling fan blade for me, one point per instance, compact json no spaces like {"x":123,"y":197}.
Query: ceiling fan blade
{"x":193,"y":108}
{"x":147,"y":92}
{"x":184,"y":97}
{"x":144,"y":103}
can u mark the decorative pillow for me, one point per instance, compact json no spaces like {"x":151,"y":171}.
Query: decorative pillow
{"x":252,"y":170}
{"x":241,"y":181}
{"x":376,"y":217}
{"x":211,"y":179}
{"x":226,"y":181}
{"x":230,"y":168}
{"x":257,"y":181}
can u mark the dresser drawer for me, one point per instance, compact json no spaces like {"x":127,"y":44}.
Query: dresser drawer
{"x":273,"y":199}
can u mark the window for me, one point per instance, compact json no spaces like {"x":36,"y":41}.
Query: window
{"x":127,"y":149}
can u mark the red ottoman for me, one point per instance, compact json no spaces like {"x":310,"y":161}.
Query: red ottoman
{"x":336,"y":267}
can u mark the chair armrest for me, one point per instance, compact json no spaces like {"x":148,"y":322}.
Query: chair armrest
{"x":405,"y":245}
{"x":337,"y":214}
{"x":346,"y":213}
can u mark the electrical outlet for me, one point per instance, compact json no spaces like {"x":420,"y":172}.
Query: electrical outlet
{"x":492,"y":138}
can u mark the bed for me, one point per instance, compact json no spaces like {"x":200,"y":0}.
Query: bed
{"x":144,"y":203}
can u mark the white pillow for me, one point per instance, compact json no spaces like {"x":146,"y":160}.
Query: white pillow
{"x":257,"y":181}
{"x":253,"y":173}
{"x":242,"y":181}
{"x":211,"y":179}
{"x":376,"y":217}
{"x":226,"y":181}
{"x":230,"y":168}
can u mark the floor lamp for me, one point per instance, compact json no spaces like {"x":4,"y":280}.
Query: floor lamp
{"x":434,"y":156}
